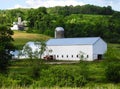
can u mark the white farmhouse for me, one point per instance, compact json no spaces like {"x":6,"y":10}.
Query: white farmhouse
{"x":88,"y":48}
{"x":19,"y":25}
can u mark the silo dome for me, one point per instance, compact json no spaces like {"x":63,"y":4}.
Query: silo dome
{"x":59,"y":32}
{"x":59,"y":29}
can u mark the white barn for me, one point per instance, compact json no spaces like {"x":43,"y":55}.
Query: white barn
{"x":60,"y":48}
{"x":88,"y":48}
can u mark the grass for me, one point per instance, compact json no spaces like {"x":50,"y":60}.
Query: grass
{"x":96,"y":74}
{"x":93,"y":86}
{"x":116,"y":49}
{"x":21,"y":38}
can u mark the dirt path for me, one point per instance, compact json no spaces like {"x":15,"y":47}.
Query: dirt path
{"x":72,"y":62}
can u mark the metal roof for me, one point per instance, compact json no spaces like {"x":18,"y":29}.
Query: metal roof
{"x":72,"y":41}
{"x":34,"y":45}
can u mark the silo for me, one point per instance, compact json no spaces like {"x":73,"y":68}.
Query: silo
{"x":19,"y":20}
{"x":59,"y":32}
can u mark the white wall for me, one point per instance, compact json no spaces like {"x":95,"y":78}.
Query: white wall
{"x":100,"y":47}
{"x":15,"y":27}
{"x":72,"y":52}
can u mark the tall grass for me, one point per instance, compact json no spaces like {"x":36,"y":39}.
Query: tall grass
{"x":21,"y":37}
{"x":94,"y":86}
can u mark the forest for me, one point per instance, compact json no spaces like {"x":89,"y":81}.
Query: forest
{"x":78,"y":21}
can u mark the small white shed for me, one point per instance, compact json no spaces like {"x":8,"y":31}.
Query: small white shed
{"x":88,"y":48}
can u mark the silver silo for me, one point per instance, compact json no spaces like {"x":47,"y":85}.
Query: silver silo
{"x":59,"y":32}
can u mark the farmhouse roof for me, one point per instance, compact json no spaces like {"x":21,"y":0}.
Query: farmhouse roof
{"x":72,"y":41}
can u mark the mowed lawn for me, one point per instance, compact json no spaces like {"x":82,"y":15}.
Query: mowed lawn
{"x":21,"y":38}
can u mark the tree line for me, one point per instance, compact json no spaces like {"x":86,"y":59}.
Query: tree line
{"x":78,"y":21}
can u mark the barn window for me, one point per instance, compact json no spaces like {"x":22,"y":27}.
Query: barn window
{"x":87,"y":56}
{"x":57,"y":56}
{"x":67,"y":56}
{"x":72,"y":56}
{"x":62,"y":56}
{"x":77,"y":56}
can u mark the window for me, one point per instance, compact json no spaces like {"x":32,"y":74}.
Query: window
{"x":72,"y":56}
{"x":62,"y":56}
{"x":77,"y":56}
{"x":67,"y":56}
{"x":87,"y":56}
{"x":57,"y":56}
{"x":54,"y":56}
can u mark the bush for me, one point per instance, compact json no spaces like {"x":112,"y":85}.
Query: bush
{"x":80,"y":81}
{"x":62,"y":76}
{"x":22,"y":80}
{"x":35,"y":72}
{"x":113,"y":72}
{"x":36,"y":66}
{"x":6,"y":82}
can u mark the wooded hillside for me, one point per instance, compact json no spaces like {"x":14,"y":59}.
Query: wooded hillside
{"x":78,"y":21}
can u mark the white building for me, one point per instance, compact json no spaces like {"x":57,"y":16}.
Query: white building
{"x":15,"y":26}
{"x":19,"y":25}
{"x":60,"y":48}
{"x":88,"y":48}
{"x":28,"y":48}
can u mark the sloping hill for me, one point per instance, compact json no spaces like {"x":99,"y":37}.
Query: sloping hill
{"x":21,"y":37}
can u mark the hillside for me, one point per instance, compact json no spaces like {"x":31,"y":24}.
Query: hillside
{"x":78,"y":21}
{"x":21,"y":37}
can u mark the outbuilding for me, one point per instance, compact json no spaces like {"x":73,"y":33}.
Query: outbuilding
{"x":87,"y":48}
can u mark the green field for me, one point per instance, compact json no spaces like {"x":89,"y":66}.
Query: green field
{"x":21,"y":38}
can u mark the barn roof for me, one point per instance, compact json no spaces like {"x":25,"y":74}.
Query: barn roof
{"x":72,"y":41}
{"x":34,"y":45}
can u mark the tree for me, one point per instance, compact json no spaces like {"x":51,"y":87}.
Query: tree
{"x":42,"y":46}
{"x":34,"y":53}
{"x":5,"y":47}
{"x":112,"y":72}
{"x":27,"y":51}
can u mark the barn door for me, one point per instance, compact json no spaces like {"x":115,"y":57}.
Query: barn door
{"x":99,"y":56}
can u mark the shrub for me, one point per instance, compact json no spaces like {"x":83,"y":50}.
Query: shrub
{"x":22,"y":80}
{"x":80,"y":81}
{"x":113,"y":72}
{"x":6,"y":81}
{"x":35,"y":72}
{"x":36,"y":66}
{"x":62,"y":76}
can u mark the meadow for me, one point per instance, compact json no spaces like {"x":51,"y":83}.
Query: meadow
{"x":21,"y":38}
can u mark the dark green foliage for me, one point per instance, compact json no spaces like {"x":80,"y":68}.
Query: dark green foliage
{"x":3,"y":81}
{"x":61,"y":76}
{"x":85,"y":9}
{"x":35,"y":72}
{"x":113,"y":72}
{"x":21,"y":80}
{"x":5,"y":47}
{"x":99,"y":21}
{"x":37,"y":65}
{"x":112,"y":54}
